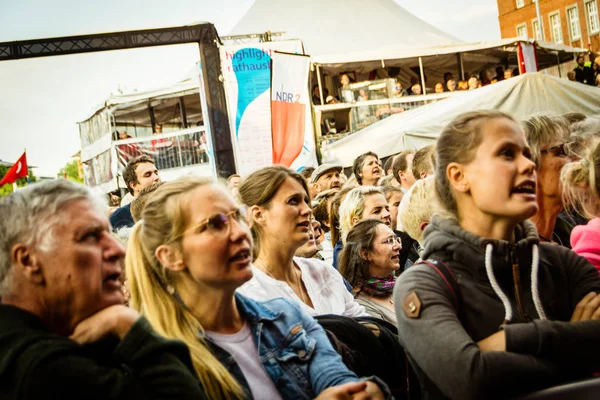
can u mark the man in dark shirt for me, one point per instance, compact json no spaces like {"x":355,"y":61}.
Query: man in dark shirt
{"x":583,"y":73}
{"x":64,"y":331}
{"x":139,"y":173}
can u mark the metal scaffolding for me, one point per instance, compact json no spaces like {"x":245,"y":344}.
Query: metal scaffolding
{"x":204,"y":34}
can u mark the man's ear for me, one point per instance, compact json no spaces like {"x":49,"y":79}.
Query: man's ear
{"x":132,"y":185}
{"x":27,"y":263}
{"x":316,"y":187}
{"x":456,"y":176}
{"x":169,"y":258}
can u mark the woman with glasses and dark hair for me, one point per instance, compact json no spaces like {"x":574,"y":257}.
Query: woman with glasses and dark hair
{"x":369,"y":262}
{"x":185,"y":260}
{"x":548,"y":138}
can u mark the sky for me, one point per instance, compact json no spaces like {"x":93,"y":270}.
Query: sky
{"x":44,"y":98}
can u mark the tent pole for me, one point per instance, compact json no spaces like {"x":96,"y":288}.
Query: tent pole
{"x":461,"y":66}
{"x":320,"y":87}
{"x":182,"y":113}
{"x":424,"y":89}
{"x":558,"y":65}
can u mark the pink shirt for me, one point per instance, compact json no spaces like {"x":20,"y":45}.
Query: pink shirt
{"x":585,"y":241}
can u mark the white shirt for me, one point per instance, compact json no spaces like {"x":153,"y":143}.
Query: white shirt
{"x":245,"y":353}
{"x":324,"y":284}
{"x":128,"y":198}
{"x":327,"y":251}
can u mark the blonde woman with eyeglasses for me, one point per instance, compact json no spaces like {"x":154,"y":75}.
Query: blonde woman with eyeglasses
{"x":369,"y":262}
{"x":186,"y":257}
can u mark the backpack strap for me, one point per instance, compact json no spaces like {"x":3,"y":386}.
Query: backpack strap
{"x":450,"y":279}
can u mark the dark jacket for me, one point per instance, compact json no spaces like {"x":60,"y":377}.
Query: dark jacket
{"x":121,"y":217}
{"x":539,"y":353}
{"x":36,"y":364}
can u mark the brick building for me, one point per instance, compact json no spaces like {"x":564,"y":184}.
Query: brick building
{"x":571,"y":22}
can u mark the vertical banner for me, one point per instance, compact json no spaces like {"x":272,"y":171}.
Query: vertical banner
{"x":247,"y":76}
{"x":527,"y":58}
{"x":290,"y":106}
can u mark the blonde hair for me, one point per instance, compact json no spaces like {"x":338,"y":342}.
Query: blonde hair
{"x":581,"y":182}
{"x":423,"y":161}
{"x":457,"y":143}
{"x":259,"y":188}
{"x":583,"y":134}
{"x":163,"y":220}
{"x":334,"y":213}
{"x":417,"y":206}
{"x":541,"y":130}
{"x":353,"y":206}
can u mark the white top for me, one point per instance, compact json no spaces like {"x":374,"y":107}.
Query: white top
{"x":324,"y":284}
{"x":128,"y":198}
{"x":243,"y":349}
{"x":327,"y":251}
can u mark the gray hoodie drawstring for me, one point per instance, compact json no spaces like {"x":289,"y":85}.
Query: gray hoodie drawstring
{"x":490,"y":273}
{"x":535,"y":262}
{"x":534,"y":282}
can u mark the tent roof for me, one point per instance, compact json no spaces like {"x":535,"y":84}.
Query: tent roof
{"x":493,"y":51}
{"x":140,"y":99}
{"x":521,"y":97}
{"x":341,"y":26}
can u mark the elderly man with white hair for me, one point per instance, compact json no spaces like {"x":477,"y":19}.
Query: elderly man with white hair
{"x":64,"y":331}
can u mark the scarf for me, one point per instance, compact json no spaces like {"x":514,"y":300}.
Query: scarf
{"x":379,"y":287}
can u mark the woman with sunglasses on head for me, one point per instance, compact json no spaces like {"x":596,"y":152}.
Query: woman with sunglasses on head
{"x":492,"y":312}
{"x":278,"y":206}
{"x":361,"y":203}
{"x":185,"y":259}
{"x":368,"y":262}
{"x":547,"y":137}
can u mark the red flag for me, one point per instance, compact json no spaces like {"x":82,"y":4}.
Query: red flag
{"x":18,"y":170}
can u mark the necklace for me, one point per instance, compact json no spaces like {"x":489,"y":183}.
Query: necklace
{"x":297,"y":279}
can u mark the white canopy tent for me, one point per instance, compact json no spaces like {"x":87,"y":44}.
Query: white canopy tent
{"x":341,"y":26}
{"x":521,"y":97}
{"x":474,"y":56}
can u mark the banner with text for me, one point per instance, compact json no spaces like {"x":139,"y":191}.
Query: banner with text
{"x":291,"y":123}
{"x":247,"y":75}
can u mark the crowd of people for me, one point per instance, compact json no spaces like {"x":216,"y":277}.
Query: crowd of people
{"x":468,"y":268}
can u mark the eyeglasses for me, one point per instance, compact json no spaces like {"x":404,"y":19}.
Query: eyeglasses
{"x":218,"y":224}
{"x":560,"y":150}
{"x":392,"y":240}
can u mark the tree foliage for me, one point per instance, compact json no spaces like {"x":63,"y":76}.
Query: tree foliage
{"x":70,"y":171}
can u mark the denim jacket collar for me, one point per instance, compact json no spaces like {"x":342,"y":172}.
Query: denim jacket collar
{"x":254,"y":312}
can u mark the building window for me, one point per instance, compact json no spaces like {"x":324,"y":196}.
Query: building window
{"x":520,"y":3}
{"x":536,"y":29}
{"x":522,"y":30}
{"x":573,"y":20}
{"x":556,"y":28}
{"x":592,"y":14}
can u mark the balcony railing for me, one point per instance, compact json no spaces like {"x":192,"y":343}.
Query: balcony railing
{"x":169,"y":150}
{"x":336,"y":121}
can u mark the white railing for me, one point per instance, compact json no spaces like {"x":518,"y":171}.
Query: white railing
{"x":364,"y":113}
{"x":169,"y":150}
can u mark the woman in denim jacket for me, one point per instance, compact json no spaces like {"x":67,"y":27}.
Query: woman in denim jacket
{"x":185,"y":260}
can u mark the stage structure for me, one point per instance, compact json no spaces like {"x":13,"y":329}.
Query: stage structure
{"x":204,"y":34}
